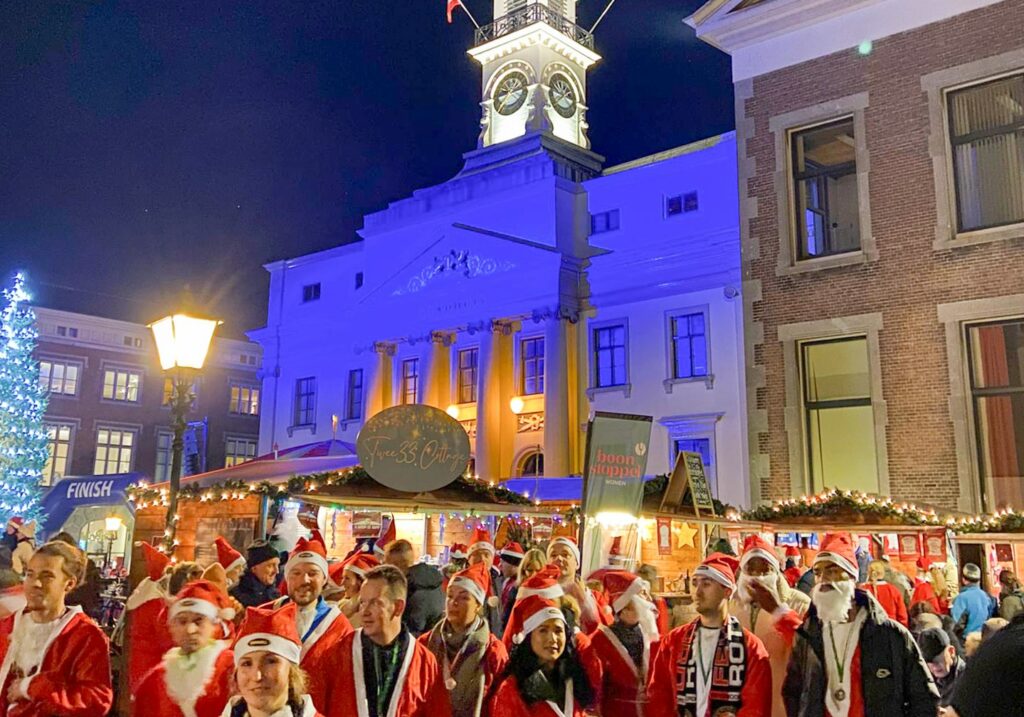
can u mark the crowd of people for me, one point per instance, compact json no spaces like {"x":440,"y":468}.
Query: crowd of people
{"x":512,"y":633}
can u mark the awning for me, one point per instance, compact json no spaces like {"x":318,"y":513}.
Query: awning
{"x":83,"y":491}
{"x":278,"y":471}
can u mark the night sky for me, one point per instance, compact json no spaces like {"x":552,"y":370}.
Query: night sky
{"x":148,"y":145}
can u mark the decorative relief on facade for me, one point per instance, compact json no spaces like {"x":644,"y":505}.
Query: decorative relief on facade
{"x":470,"y":427}
{"x":530,"y":422}
{"x":455,"y":262}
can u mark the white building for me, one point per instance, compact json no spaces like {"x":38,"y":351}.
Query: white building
{"x":530,"y":275}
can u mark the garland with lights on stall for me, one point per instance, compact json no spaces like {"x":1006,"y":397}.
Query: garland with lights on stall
{"x":845,"y":506}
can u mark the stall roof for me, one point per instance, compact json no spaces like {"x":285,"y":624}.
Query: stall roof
{"x":272,"y":471}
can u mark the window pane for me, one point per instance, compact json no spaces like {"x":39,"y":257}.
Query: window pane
{"x":997,"y":355}
{"x":71,"y":380}
{"x":836,"y":370}
{"x":683,"y":367}
{"x":1000,"y":421}
{"x":108,"y":384}
{"x":842,"y":449}
{"x":699,"y":350}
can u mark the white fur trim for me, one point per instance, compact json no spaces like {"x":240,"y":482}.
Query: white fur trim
{"x":484,"y":545}
{"x":266,"y":641}
{"x":632,"y":591}
{"x":827,"y":557}
{"x":308,"y":556}
{"x":552,"y":593}
{"x":714,"y":574}
{"x":147,"y":590}
{"x":565,"y":541}
{"x":186,"y":686}
{"x":539,"y":618}
{"x":358,"y":571}
{"x":471,"y":587}
{"x":510,"y":553}
{"x":760,"y":553}
{"x":200,"y":607}
{"x":362,"y":709}
{"x":238,"y":562}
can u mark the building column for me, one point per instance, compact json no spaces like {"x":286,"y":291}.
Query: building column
{"x":379,"y":387}
{"x":493,"y":415}
{"x":557,"y":397}
{"x":437,"y":370}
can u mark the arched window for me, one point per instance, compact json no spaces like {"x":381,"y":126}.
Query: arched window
{"x":531,"y":465}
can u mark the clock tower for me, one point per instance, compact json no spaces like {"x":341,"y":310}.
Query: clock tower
{"x":534,"y":59}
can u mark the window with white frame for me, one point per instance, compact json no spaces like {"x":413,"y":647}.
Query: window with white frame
{"x":838,"y":415}
{"x":121,"y":384}
{"x":531,"y":365}
{"x":58,"y":451}
{"x":244,"y":399}
{"x":162,"y":471}
{"x":114,"y":450}
{"x":304,"y":409}
{"x":60,"y":377}
{"x":354,"y":395}
{"x":238,"y":450}
{"x":410,"y":380}
{"x":689,"y":344}
{"x":986,"y":133}
{"x":467,"y":374}
{"x":608,"y":356}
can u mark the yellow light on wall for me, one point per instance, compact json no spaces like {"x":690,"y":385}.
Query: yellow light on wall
{"x":112,"y":523}
{"x":517,"y":405}
{"x":453,"y":411}
{"x":182,"y":341}
{"x":615,"y":520}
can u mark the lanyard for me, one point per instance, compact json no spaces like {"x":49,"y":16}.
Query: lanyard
{"x":385,"y":681}
{"x":451,"y":666}
{"x":705,"y":673}
{"x":839,"y":661}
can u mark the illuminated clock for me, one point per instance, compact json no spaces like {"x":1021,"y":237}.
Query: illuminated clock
{"x":562,"y":95}
{"x":510,"y":94}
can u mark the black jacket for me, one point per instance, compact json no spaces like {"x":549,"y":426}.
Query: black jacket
{"x":895,"y":681}
{"x":993,"y":683}
{"x":424,"y":605}
{"x":252,"y":593}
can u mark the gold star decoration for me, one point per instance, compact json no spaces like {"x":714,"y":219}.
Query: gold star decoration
{"x":684,"y":535}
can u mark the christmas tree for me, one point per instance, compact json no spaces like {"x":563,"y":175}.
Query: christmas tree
{"x":23,"y":449}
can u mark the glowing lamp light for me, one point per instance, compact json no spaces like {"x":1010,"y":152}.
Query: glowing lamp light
{"x":865,"y":47}
{"x":453,"y":411}
{"x":112,"y":523}
{"x":611,"y":519}
{"x":517,"y":405}
{"x":183,"y":341}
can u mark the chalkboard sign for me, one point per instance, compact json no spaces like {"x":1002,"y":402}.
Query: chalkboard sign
{"x":700,"y":492}
{"x":676,"y":488}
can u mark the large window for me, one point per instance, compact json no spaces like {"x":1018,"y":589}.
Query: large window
{"x":467,"y":375}
{"x":986,"y":129}
{"x":121,"y":385}
{"x":531,"y":465}
{"x":824,"y":165}
{"x":410,"y":380}
{"x":304,"y":412}
{"x":996,"y":353}
{"x":58,"y":447}
{"x":60,"y":377}
{"x":838,"y":415}
{"x":114,"y":449}
{"x":689,"y":345}
{"x":354,"y":397}
{"x":531,"y":366}
{"x":609,"y":349}
{"x":162,"y":472}
{"x":238,"y":450}
{"x":245,"y":400}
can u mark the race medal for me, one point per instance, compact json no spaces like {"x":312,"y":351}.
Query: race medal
{"x":450,"y":683}
{"x":840,"y":695}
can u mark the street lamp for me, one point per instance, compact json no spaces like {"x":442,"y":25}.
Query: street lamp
{"x":182,"y":341}
{"x":113,"y":525}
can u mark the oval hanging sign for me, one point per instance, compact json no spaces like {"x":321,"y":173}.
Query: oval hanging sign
{"x":413,"y":448}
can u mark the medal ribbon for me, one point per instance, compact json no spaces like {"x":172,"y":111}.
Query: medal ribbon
{"x":450,"y":666}
{"x":385,"y":681}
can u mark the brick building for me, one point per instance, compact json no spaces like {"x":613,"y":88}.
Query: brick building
{"x":881,"y":176}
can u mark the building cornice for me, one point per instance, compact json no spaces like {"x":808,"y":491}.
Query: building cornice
{"x":539,"y":33}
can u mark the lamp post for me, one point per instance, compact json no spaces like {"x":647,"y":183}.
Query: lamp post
{"x":182,"y":341}
{"x":113,"y":525}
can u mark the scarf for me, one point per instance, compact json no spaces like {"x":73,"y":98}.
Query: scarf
{"x":728,"y":671}
{"x":462,"y":671}
{"x":633,"y":640}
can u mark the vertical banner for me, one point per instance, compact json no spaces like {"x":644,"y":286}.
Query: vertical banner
{"x":910,"y":546}
{"x":664,"y":536}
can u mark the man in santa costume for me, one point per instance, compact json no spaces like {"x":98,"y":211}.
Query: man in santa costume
{"x":564,"y":553}
{"x":481,"y":550}
{"x":711,"y":666}
{"x":231,"y":560}
{"x":849,"y":659}
{"x":759,"y":570}
{"x":194,"y":677}
{"x":380,"y":669}
{"x":472,"y":659}
{"x":147,"y":636}
{"x":793,"y":571}
{"x":510,"y":557}
{"x":624,"y":648}
{"x":54,"y":660}
{"x":320,"y":624}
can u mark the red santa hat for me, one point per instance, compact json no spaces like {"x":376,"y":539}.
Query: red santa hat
{"x":15,"y":523}
{"x":476,"y":579}
{"x":458,"y":551}
{"x":615,"y":556}
{"x":481,"y":541}
{"x":757,"y":547}
{"x":512,"y":553}
{"x":543,"y":583}
{"x":387,"y":535}
{"x":270,"y":630}
{"x":719,"y":567}
{"x":228,"y":557}
{"x":360,"y":564}
{"x":156,"y":562}
{"x":837,"y":548}
{"x":569,"y":542}
{"x":621,"y":587}
{"x":792,"y":551}
{"x":534,"y":611}
{"x":203,"y":598}
{"x":924,"y":562}
{"x":309,"y":551}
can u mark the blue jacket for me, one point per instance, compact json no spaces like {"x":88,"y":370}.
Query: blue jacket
{"x":976,"y":603}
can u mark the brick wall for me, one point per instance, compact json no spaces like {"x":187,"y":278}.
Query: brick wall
{"x":910,"y":277}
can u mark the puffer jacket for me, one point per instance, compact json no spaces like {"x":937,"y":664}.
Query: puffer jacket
{"x":424,"y":606}
{"x":250,"y":592}
{"x":894,"y":679}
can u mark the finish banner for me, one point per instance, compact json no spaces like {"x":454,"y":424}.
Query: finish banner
{"x":616,"y":461}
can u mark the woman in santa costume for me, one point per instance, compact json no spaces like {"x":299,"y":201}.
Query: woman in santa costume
{"x":346,"y":578}
{"x":146,"y":636}
{"x":481,"y":550}
{"x":471,"y":658}
{"x":194,"y":678}
{"x":380,"y":669}
{"x":887,"y":595}
{"x":564,"y":553}
{"x":711,"y":666}
{"x":231,"y":560}
{"x":544,"y":583}
{"x":545,"y":676}
{"x":624,"y":648}
{"x":54,"y":660}
{"x":266,"y":667}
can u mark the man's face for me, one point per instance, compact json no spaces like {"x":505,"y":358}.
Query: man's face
{"x":305,"y":583}
{"x":708,"y":595}
{"x":827,"y":574}
{"x":46,"y":583}
{"x":266,"y":572}
{"x":481,"y":555}
{"x":565,"y":560}
{"x":377,"y":610}
{"x":508,"y":570}
{"x":192,"y":631}
{"x":943,"y":663}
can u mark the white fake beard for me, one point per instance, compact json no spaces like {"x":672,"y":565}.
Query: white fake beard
{"x":770,"y":581}
{"x":834,"y":605}
{"x":648,"y":614}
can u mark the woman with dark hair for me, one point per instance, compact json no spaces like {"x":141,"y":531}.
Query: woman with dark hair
{"x":545,"y":675}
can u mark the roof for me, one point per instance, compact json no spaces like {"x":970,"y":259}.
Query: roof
{"x":690,"y":148}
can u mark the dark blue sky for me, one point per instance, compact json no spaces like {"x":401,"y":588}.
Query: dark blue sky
{"x":144,"y":145}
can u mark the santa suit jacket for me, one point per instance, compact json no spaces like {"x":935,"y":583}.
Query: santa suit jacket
{"x":73,"y":679}
{"x":147,"y":637}
{"x":509,"y":702}
{"x":890,"y":599}
{"x":419,"y":689}
{"x":166,"y":692}
{"x":622,"y":689}
{"x":755,"y":695}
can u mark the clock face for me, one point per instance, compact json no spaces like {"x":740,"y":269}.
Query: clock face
{"x":510,"y":94}
{"x":562,"y":95}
